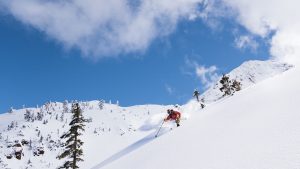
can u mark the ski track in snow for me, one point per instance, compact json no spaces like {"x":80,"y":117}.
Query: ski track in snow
{"x":147,"y":139}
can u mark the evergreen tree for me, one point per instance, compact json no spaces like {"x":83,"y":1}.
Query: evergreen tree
{"x":201,"y":101}
{"x":27,"y":115}
{"x":30,"y":144}
{"x":225,"y":85}
{"x":236,"y":85}
{"x":101,"y":104}
{"x":11,"y":125}
{"x":229,"y":86}
{"x":11,"y":110}
{"x":41,"y":139}
{"x":45,"y":121}
{"x":65,"y":107}
{"x":196,"y":94}
{"x":73,"y":144}
{"x":40,"y":116}
{"x":62,"y":116}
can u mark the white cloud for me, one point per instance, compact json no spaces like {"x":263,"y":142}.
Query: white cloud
{"x":169,"y":89}
{"x":102,"y":28}
{"x":207,"y":75}
{"x":246,"y":42}
{"x":262,"y":17}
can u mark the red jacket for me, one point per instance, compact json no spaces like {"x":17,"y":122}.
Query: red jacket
{"x":173,"y":116}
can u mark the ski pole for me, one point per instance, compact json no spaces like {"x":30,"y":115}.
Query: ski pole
{"x":159,"y":128}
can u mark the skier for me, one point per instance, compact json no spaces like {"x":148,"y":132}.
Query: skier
{"x":196,"y":94}
{"x":173,"y":115}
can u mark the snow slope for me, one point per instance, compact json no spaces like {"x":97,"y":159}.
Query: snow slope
{"x":249,"y":73}
{"x":233,"y":132}
{"x":257,"y":128}
{"x":110,"y":129}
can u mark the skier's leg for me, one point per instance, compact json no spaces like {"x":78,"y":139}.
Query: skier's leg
{"x":177,"y":122}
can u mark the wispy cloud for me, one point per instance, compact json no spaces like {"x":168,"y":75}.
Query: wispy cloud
{"x":178,"y":95}
{"x":206,"y":74}
{"x":263,"y":17}
{"x":102,"y":28}
{"x":169,"y":89}
{"x":246,"y":42}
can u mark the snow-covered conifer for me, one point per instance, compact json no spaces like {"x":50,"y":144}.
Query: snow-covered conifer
{"x":229,"y":86}
{"x":73,"y":143}
{"x":101,"y":104}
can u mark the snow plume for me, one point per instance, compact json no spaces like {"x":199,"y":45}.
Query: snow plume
{"x":276,"y":18}
{"x":102,"y":28}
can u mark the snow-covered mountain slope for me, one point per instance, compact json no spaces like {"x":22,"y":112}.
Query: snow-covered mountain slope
{"x":257,"y":128}
{"x":116,"y":135}
{"x":249,"y":73}
{"x":109,"y":130}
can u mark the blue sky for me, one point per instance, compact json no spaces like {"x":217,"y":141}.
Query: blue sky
{"x":36,"y":68}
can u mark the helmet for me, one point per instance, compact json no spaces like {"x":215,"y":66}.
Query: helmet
{"x":170,"y":111}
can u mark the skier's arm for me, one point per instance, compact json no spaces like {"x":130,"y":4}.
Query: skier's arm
{"x":167,"y":118}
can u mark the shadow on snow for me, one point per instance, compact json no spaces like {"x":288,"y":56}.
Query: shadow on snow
{"x":129,"y":149}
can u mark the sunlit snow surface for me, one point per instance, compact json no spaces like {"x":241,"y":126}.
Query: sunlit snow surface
{"x":257,"y":128}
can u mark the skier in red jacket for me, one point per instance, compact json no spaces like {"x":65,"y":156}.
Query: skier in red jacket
{"x":173,"y":115}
